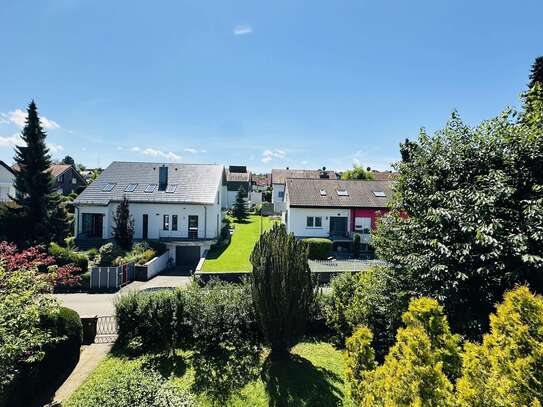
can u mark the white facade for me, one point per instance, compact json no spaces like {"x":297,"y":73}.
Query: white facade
{"x":278,"y":198}
{"x":296,"y":220}
{"x":159,"y":226}
{"x":6,"y":184}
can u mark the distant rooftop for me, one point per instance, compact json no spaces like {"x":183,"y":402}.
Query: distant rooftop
{"x":279,"y":176}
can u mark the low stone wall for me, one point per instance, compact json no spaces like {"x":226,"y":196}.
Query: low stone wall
{"x":158,"y":264}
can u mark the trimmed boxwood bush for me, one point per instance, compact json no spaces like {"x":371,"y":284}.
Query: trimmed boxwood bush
{"x":65,"y":256}
{"x":319,"y":248}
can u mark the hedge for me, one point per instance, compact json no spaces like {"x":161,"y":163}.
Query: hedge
{"x":60,"y":358}
{"x":319,"y":248}
{"x":65,"y":256}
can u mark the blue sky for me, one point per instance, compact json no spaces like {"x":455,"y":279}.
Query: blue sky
{"x":267,"y":84}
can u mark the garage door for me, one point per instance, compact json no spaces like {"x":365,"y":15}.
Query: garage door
{"x":187,"y":256}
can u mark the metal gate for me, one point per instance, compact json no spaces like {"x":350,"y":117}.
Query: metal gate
{"x":106,"y":329}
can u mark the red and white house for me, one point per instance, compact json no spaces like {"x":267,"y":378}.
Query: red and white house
{"x":335,"y":209}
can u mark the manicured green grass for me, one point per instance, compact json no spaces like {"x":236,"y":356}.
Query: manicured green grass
{"x":235,"y":256}
{"x":313,"y":377}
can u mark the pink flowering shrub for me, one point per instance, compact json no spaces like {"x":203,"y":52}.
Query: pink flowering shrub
{"x":37,"y":258}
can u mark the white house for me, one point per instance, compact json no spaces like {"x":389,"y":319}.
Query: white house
{"x":179,"y":204}
{"x":7,"y":178}
{"x":279,"y":177}
{"x":334,"y":208}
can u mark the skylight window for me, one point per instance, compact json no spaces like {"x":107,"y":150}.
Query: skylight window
{"x":108,"y":187}
{"x":171,"y":189}
{"x":342,"y":192}
{"x":379,"y":194}
{"x":131,"y":187}
{"x":150,"y":188}
{"x":323,"y":192}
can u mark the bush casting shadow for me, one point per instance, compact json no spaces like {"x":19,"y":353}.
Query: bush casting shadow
{"x":297,"y":382}
{"x":166,"y":365}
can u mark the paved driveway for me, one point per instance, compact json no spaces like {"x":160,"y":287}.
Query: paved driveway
{"x":102,"y":304}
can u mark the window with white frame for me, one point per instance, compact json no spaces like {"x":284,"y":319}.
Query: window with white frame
{"x":313,"y":222}
{"x":362,"y":225}
{"x":166,"y":222}
{"x":281,"y":194}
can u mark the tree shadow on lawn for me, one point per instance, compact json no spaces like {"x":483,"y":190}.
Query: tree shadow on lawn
{"x":216,"y":251}
{"x":166,"y":365}
{"x":297,"y":382}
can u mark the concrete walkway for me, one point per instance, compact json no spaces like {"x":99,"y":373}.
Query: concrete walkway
{"x":89,"y":359}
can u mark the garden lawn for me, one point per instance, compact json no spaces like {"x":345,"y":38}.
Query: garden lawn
{"x":235,"y":256}
{"x":313,"y":377}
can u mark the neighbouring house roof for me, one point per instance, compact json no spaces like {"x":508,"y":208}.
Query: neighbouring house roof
{"x":237,"y":173}
{"x":7,"y":167}
{"x":384,"y":175}
{"x":194,"y":183}
{"x":58,"y":169}
{"x":324,"y":193}
{"x":261,"y":180}
{"x":279,"y":176}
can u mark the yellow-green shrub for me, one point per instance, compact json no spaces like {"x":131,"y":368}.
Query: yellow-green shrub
{"x":507,"y":368}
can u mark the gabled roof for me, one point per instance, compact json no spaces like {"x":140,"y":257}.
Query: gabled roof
{"x":261,"y":180}
{"x":195,"y":183}
{"x":384,"y":175}
{"x":7,"y":167}
{"x":58,"y":169}
{"x":237,"y":173}
{"x":279,"y":176}
{"x":324,"y":193}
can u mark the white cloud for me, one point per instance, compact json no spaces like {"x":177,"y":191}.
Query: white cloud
{"x":18,"y":117}
{"x":242,"y":29}
{"x":10,"y":141}
{"x":269,"y":155}
{"x":3,"y":120}
{"x":194,"y":150}
{"x":159,"y":153}
{"x":135,"y":149}
{"x":15,"y":140}
{"x":356,"y":162}
{"x":55,"y":148}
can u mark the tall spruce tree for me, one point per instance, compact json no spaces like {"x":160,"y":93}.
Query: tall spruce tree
{"x":240,"y":211}
{"x":37,"y":211}
{"x":123,"y":230}
{"x":536,"y":74}
{"x":282,"y":289}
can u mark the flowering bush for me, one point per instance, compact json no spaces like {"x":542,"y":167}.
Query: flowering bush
{"x":37,"y":258}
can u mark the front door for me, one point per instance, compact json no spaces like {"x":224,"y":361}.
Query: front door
{"x":338,"y":226}
{"x":92,"y":225}
{"x":193,"y":226}
{"x":145,"y":232}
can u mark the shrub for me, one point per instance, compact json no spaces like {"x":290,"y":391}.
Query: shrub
{"x":318,"y":248}
{"x":225,"y":338}
{"x":133,"y":387}
{"x":152,"y":320}
{"x":506,"y":369}
{"x":356,"y":246}
{"x":108,"y":253}
{"x":336,"y":305}
{"x":92,"y":254}
{"x":282,"y":289}
{"x":64,"y":256}
{"x":419,"y":367}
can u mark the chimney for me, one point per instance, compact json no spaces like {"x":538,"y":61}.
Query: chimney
{"x":162,"y":178}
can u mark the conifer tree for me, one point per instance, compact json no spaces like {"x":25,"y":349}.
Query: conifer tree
{"x":282,"y":289}
{"x":240,"y":211}
{"x":123,"y":230}
{"x":536,"y":74}
{"x":37,"y":201}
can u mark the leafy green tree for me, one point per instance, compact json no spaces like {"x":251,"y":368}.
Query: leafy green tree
{"x":282,"y":289}
{"x":23,"y":301}
{"x":419,"y":369}
{"x":506,"y":369}
{"x":240,"y":210}
{"x":465,"y":221}
{"x":533,"y":106}
{"x":123,"y":228}
{"x":68,"y":160}
{"x":536,"y":74}
{"x":357,"y":173}
{"x":36,"y":213}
